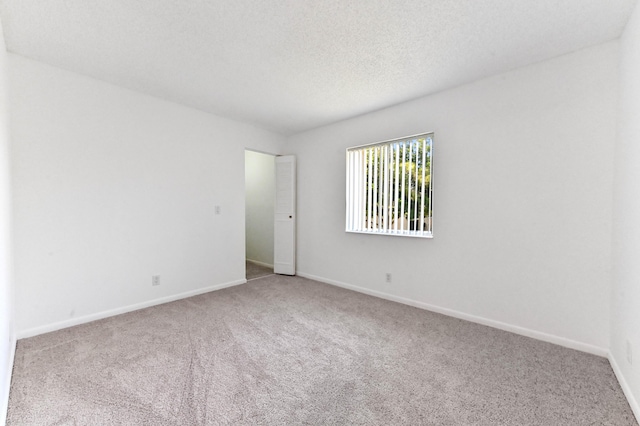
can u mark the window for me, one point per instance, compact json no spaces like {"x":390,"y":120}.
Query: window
{"x":389,"y":187}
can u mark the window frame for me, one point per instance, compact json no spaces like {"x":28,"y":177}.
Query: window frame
{"x":362,"y":188}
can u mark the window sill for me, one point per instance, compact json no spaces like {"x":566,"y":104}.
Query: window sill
{"x":411,"y":234}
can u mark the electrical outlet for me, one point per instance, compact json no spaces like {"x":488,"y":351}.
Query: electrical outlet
{"x":629,"y":353}
{"x":155,"y":280}
{"x":388,"y":277}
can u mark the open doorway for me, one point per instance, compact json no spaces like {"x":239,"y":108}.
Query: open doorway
{"x":260,"y":189}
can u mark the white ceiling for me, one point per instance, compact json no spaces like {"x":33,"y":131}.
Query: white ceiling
{"x":292,"y":65}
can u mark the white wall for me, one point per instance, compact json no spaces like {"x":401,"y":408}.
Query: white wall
{"x":625,"y":308}
{"x":7,"y":340}
{"x":260,"y":187}
{"x":523,"y":172}
{"x":111,"y":187}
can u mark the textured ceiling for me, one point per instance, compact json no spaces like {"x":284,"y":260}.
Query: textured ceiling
{"x":292,"y":65}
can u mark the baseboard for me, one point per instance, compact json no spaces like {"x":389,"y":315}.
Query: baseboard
{"x":633,"y":403}
{"x":112,"y":312}
{"x":4,"y":404}
{"x":550,"y":338}
{"x":257,"y":262}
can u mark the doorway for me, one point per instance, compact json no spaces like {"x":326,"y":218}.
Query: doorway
{"x":260,"y":190}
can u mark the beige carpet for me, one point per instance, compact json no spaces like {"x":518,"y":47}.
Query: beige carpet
{"x":290,"y":351}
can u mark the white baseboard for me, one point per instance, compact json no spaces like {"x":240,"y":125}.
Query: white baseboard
{"x":568,"y":343}
{"x":4,"y":404}
{"x":112,"y":312}
{"x":257,"y":262}
{"x":633,"y":403}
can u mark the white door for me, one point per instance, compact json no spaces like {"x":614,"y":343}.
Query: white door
{"x":284,"y":233}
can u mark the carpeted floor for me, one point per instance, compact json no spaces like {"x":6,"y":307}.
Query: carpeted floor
{"x":286,"y":350}
{"x":255,"y":270}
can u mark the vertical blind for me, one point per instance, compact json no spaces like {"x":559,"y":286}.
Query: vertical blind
{"x":389,"y":187}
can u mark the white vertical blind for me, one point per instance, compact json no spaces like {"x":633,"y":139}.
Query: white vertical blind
{"x":389,"y":187}
{"x":396,"y":150}
{"x":424,"y":170}
{"x":374,"y":203}
{"x":369,"y":166}
{"x":385,"y":207}
{"x":404,"y":180}
{"x":361,"y":198}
